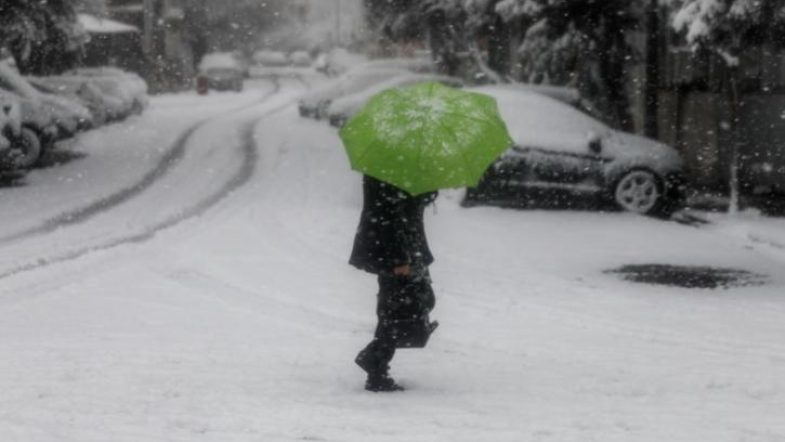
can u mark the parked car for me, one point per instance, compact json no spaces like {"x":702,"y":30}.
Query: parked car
{"x":126,"y":86}
{"x":20,"y":146}
{"x":10,"y":123}
{"x":341,"y":109}
{"x":221,"y":71}
{"x":69,"y":115}
{"x":301,"y":59}
{"x":270,"y":58}
{"x":315,"y":103}
{"x":338,"y":61}
{"x":559,"y":148}
{"x":87,"y":89}
{"x":76,"y":89}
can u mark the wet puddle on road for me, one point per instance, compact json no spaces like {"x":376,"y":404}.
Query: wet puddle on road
{"x":692,"y":277}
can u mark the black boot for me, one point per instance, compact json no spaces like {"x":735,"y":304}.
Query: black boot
{"x":376,"y":356}
{"x":375,"y":360}
{"x":378,"y":383}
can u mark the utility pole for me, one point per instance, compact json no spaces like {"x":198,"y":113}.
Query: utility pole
{"x":652,"y":86}
{"x":148,"y":11}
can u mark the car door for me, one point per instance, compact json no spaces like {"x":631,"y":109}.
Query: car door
{"x":547,"y":168}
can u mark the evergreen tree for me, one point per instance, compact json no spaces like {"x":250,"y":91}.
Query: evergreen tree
{"x":44,"y":36}
{"x":581,"y":43}
{"x":725,"y":28}
{"x":394,"y":20}
{"x":488,"y":25}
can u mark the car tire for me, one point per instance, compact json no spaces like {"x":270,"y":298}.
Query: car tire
{"x":641,"y":191}
{"x":28,"y":147}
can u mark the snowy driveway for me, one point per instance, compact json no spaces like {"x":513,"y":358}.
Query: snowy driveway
{"x":186,"y":280}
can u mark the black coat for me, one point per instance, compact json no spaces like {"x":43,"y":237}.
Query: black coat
{"x":391,"y":231}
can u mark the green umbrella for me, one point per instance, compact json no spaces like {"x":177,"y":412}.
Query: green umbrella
{"x":426,"y":137}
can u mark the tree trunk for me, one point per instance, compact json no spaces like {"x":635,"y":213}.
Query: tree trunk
{"x":651,"y":91}
{"x":499,"y":47}
{"x":733,"y":160}
{"x":442,"y":46}
{"x":612,"y":65}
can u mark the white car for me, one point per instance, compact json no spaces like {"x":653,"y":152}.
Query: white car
{"x":104,"y":106}
{"x":10,"y":121}
{"x":122,"y":84}
{"x":338,"y":61}
{"x":20,"y":146}
{"x":340,"y":110}
{"x":270,"y":58}
{"x":301,"y":59}
{"x":69,"y":115}
{"x":222,"y":71}
{"x":315,"y":103}
{"x":559,"y":148}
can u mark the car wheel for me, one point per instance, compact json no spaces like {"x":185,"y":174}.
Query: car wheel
{"x":639,"y":191}
{"x":27,"y":149}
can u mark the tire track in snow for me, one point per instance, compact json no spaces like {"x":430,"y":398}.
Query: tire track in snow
{"x":172,"y":157}
{"x":249,"y":165}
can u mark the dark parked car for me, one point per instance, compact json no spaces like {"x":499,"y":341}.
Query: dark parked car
{"x":559,"y":148}
{"x":221,"y":72}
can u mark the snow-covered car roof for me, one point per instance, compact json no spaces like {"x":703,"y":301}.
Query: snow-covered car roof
{"x":564,"y":94}
{"x":114,"y":82}
{"x":12,"y":80}
{"x":101,"y":104}
{"x":270,"y":58}
{"x":349,"y":83}
{"x":339,"y":61}
{"x":133,"y":82}
{"x":301,"y":58}
{"x":67,"y":113}
{"x":348,"y":105}
{"x":535,"y":120}
{"x":220,"y":60}
{"x":420,"y":65}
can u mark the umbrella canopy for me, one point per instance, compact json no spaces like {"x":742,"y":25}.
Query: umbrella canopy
{"x":426,"y":137}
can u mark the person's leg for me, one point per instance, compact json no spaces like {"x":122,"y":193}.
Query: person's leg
{"x":376,"y":356}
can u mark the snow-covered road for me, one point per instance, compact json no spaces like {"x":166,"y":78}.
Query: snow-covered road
{"x":186,"y":280}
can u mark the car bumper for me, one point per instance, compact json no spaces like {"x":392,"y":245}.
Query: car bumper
{"x":307,"y":111}
{"x":224,"y":85}
{"x":338,"y":120}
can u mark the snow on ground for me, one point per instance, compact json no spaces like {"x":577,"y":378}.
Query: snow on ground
{"x":240,"y":323}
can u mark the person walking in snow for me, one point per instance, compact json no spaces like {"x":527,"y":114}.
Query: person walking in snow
{"x":391,"y":243}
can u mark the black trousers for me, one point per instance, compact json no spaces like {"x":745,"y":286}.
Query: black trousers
{"x":399,"y":297}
